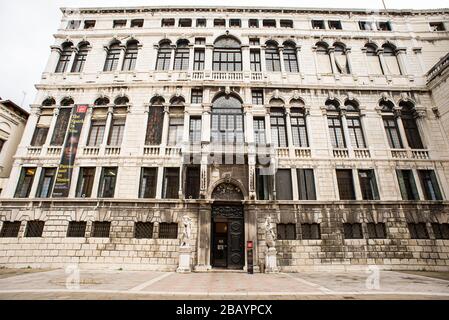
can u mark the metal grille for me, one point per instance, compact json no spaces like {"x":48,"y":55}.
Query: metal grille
{"x":77,"y":229}
{"x":100,"y":229}
{"x":168,"y":230}
{"x":441,"y":230}
{"x":10,"y":229}
{"x":353,"y":230}
{"x":418,"y":230}
{"x":34,"y":229}
{"x":286,"y":231}
{"x":143,"y":230}
{"x":310,"y":231}
{"x":376,"y":231}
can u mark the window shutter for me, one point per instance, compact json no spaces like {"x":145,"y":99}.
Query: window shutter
{"x":342,"y":63}
{"x":392,"y":65}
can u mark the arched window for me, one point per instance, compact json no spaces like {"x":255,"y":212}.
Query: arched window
{"x":176,"y":122}
{"x":298,"y":123}
{"x":278,"y":124}
{"x":290,"y":57}
{"x":372,"y":57}
{"x":410,"y":126}
{"x":182,"y":55}
{"x":112,"y":57}
{"x":48,"y":102}
{"x":335,"y":124}
{"x":121,"y":101}
{"x":80,"y":57}
{"x":391,"y":60}
{"x":227,"y":121}
{"x":323,"y":59}
{"x":129,"y":62}
{"x":64,"y":57}
{"x":227,"y":54}
{"x":341,"y":59}
{"x":155,"y":121}
{"x":354,"y":124}
{"x":272,"y":57}
{"x":66,"y":102}
{"x":98,"y":121}
{"x":102,"y":101}
{"x":118,"y":121}
{"x":164,"y":55}
{"x":390,"y":124}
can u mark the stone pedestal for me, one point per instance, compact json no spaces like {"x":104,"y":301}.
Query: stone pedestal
{"x":271,"y":261}
{"x":184,"y":260}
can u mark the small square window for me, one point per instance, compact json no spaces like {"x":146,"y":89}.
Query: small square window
{"x":254,"y":42}
{"x":34,"y":229}
{"x":311,"y":231}
{"x":119,"y":24}
{"x":197,"y":96}
{"x":318,"y":24}
{"x":437,"y":26}
{"x":89,"y":24}
{"x":101,"y":229}
{"x":168,"y":23}
{"x":201,"y":23}
{"x":365,"y":25}
{"x":185,"y":23}
{"x":137,"y":23}
{"x":253,"y":23}
{"x":168,"y":230}
{"x":269,"y":23}
{"x":219,"y":23}
{"x":286,"y":23}
{"x":200,"y":41}
{"x":440,"y":230}
{"x":376,"y":231}
{"x":10,"y":229}
{"x":384,"y":26}
{"x":73,"y":24}
{"x":236,"y":23}
{"x":76,"y":229}
{"x":352,"y":230}
{"x":335,"y":25}
{"x":257,"y":97}
{"x":418,"y":230}
{"x":143,"y":230}
{"x":286,"y":231}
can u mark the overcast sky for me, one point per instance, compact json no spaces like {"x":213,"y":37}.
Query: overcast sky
{"x":27,"y":28}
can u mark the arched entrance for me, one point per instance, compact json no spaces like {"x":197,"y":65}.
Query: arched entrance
{"x":228,"y":227}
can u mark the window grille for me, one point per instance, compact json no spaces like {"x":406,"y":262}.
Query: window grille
{"x":168,"y":230}
{"x":143,"y":230}
{"x":286,"y":231}
{"x":353,"y":230}
{"x":440,"y":230}
{"x":101,"y":229}
{"x":10,"y":229}
{"x":34,"y":229}
{"x":376,"y":230}
{"x":76,"y":229}
{"x":418,"y":230}
{"x":311,"y":231}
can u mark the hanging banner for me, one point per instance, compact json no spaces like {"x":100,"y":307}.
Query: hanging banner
{"x":64,"y":176}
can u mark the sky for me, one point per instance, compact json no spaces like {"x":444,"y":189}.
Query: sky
{"x":27,"y":28}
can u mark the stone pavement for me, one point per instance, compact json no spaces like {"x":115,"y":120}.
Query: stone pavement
{"x":104,"y":284}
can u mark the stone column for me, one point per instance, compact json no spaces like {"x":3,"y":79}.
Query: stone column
{"x":72,"y":59}
{"x":397,"y":114}
{"x":348,"y":141}
{"x":204,"y":238}
{"x":121,"y":58}
{"x":423,"y":128}
{"x":52,"y":126}
{"x":186,"y":129}
{"x":206,"y":122}
{"x":53,"y":60}
{"x":165,"y":125}
{"x":357,"y":188}
{"x":288,"y":123}
{"x":299,"y":59}
{"x":160,"y":181}
{"x":249,"y":127}
{"x":246,"y":65}
{"x":208,"y":57}
{"x":348,"y":61}
{"x":326,"y":126}
{"x":107,"y":128}
{"x":251,"y":235}
{"x":263,"y":62}
{"x":191,"y":57}
{"x":331,"y":53}
{"x":35,"y":184}
{"x":268,"y":124}
{"x":86,"y":125}
{"x":383,"y":64}
{"x":295,"y":183}
{"x":281,"y":58}
{"x":403,"y":64}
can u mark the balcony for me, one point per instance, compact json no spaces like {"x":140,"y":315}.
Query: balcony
{"x":151,"y":151}
{"x":34,"y":151}
{"x":112,"y":151}
{"x":417,"y":154}
{"x":362,"y":153}
{"x":91,"y":151}
{"x":341,"y":153}
{"x":54,"y":151}
{"x":227,"y":76}
{"x":303,"y":153}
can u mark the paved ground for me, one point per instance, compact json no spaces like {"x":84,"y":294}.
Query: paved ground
{"x":94,"y":284}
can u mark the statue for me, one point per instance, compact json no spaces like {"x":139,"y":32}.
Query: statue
{"x":186,"y":234}
{"x":269,"y":233}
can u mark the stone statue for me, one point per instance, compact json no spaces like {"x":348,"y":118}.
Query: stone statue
{"x":187,"y":232}
{"x":269,"y":233}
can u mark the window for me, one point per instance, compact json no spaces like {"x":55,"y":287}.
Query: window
{"x":192,"y":187}
{"x":185,"y":23}
{"x":440,"y":230}
{"x":336,"y":132}
{"x":355,"y":132}
{"x":89,"y":24}
{"x":42,"y":127}
{"x":410,"y":126}
{"x":323,"y":59}
{"x":335,"y":25}
{"x":290,"y":58}
{"x":85,"y":182}
{"x":73,"y":24}
{"x":391,"y":60}
{"x":269,"y":23}
{"x":112,"y":58}
{"x":299,"y":128}
{"x":76,"y":229}
{"x":286,"y":23}
{"x":182,"y":56}
{"x":64,"y":58}
{"x":256,"y":65}
{"x":310,"y":231}
{"x":2,"y":143}
{"x":384,"y":26}
{"x":368,"y":185}
{"x":254,"y":41}
{"x":219,"y":22}
{"x":200,"y":41}
{"x":284,"y":184}
{"x":365,"y":25}
{"x":10,"y":229}
{"x":196,"y":96}
{"x":171,"y":183}
{"x":253,"y":23}
{"x":198,"y":60}
{"x":80,"y":58}
{"x":376,"y":230}
{"x":61,"y":125}
{"x":227,"y":55}
{"x":278,"y":128}
{"x":262,"y":185}
{"x":195,"y":130}
{"x":392,"y":131}
{"x":259,"y":131}
{"x":97,"y":128}
{"x":168,"y":22}
{"x":164,"y":56}
{"x":236,"y":23}
{"x":418,"y":230}
{"x":407,"y":185}
{"x":201,"y":23}
{"x":168,"y":230}
{"x":373,"y":59}
{"x":272,"y":57}
{"x":437,"y":26}
{"x":119,"y":24}
{"x":318,"y":24}
{"x":137,"y":23}
{"x":25,"y":182}
{"x":306,"y":184}
{"x":227,"y":121}
{"x":101,"y":229}
{"x":130,"y":59}
{"x":116,"y":132}
{"x":154,"y":124}
{"x":175,"y":129}
{"x":286,"y":231}
{"x":143,"y":230}
{"x":429,"y":185}
{"x":108,"y":179}
{"x":352,"y":230}
{"x":34,"y":229}
{"x":257,"y":97}
{"x":345,"y":184}
{"x":46,"y":182}
{"x":341,"y":60}
{"x":148,"y":181}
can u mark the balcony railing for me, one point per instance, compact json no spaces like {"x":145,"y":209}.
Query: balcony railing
{"x":418,"y":154}
{"x":283,"y":152}
{"x":151,"y":151}
{"x":91,"y":151}
{"x":34,"y":151}
{"x":112,"y":151}
{"x":231,"y":76}
{"x":362,"y":153}
{"x":303,"y":153}
{"x":341,"y":153}
{"x":54,"y":151}
{"x":172,"y":151}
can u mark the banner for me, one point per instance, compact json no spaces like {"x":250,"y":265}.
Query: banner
{"x":64,"y":176}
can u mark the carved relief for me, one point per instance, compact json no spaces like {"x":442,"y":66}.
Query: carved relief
{"x":227,"y":191}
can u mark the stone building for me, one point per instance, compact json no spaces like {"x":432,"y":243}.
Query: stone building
{"x":12,"y":123}
{"x":321,"y":119}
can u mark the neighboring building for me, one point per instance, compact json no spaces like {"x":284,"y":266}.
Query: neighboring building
{"x":335,"y":99}
{"x":12,"y":123}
